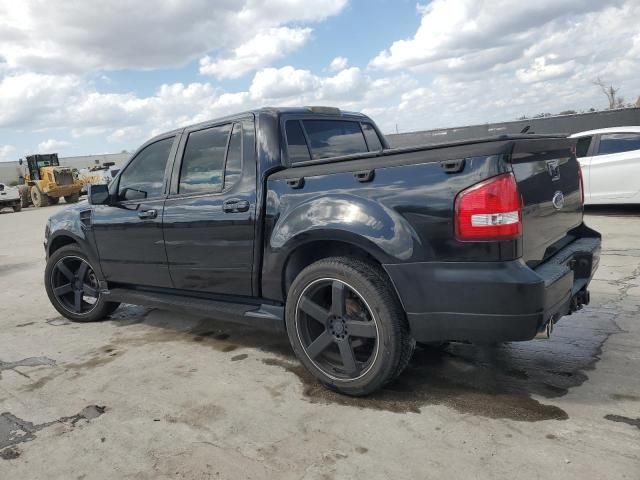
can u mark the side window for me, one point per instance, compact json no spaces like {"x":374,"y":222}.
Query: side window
{"x":233,"y":166}
{"x":618,"y":143}
{"x":296,"y":143}
{"x":333,"y":138}
{"x":370,"y":134}
{"x":582,"y":147}
{"x":144,"y":176}
{"x":203,"y":160}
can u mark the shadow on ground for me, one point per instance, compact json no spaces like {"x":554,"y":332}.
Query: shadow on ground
{"x":496,"y":381}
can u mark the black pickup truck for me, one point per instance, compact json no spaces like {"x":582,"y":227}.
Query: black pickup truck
{"x":305,"y":221}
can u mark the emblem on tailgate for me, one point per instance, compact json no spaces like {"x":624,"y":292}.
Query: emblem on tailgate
{"x":558,"y":200}
{"x":554,"y":169}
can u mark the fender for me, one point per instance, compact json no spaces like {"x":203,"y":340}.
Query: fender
{"x":369,"y":225}
{"x":68,"y":224}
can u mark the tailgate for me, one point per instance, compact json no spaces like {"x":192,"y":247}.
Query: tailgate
{"x":548,"y":178}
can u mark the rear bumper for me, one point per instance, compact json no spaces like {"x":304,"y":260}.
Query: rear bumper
{"x":494,"y":301}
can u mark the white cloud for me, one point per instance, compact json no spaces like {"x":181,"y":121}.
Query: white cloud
{"x":82,"y":36}
{"x":491,"y":61}
{"x":338,"y":63}
{"x":52,"y":146}
{"x":473,"y":64}
{"x":31,"y":98}
{"x":259,"y":51}
{"x":457,"y":32}
{"x":273,"y":83}
{"x":7,"y":153}
{"x":543,"y":68}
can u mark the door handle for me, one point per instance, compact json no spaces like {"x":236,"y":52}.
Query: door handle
{"x":235,"y":205}
{"x":296,"y":182}
{"x":148,"y":214}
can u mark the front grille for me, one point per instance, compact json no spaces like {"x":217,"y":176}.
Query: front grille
{"x":64,"y":177}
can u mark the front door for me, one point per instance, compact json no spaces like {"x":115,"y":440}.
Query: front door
{"x":210,"y":215}
{"x":128,"y":232}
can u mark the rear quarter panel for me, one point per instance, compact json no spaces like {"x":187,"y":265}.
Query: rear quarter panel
{"x":405,"y":214}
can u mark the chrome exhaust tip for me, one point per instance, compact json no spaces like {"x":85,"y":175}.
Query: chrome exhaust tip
{"x":545,"y":333}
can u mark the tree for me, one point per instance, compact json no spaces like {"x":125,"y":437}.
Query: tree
{"x":611,"y":92}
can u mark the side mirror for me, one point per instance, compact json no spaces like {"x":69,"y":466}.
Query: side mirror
{"x":98,"y":194}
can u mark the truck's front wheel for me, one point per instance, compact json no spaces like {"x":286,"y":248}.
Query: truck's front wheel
{"x":72,"y":286}
{"x":38,"y":198}
{"x":347,"y":326}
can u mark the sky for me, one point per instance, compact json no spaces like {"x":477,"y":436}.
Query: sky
{"x":80,"y":77}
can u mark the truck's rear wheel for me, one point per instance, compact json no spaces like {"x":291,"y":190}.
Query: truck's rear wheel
{"x":54,"y":200}
{"x":38,"y":198}
{"x":347,"y":326}
{"x":17,"y":207}
{"x":72,"y":286}
{"x":25,"y":199}
{"x":73,"y":198}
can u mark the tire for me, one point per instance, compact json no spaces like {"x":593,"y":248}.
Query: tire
{"x":73,"y":198}
{"x":368,"y":301}
{"x":38,"y":198}
{"x":17,"y":207}
{"x":54,"y":200}
{"x":25,"y":198}
{"x":54,"y":281}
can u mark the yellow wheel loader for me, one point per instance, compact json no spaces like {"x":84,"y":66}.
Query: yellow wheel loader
{"x":45,"y":181}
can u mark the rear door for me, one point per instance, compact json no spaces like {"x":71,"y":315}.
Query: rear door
{"x":210,"y":215}
{"x":546,"y":171}
{"x":614,"y":167}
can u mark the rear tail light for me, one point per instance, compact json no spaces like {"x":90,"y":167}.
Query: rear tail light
{"x":489,"y":210}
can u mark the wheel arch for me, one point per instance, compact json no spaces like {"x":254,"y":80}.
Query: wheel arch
{"x":59,"y":241}
{"x":311,"y":251}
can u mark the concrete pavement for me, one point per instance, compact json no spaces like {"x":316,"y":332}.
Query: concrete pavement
{"x":154,"y":394}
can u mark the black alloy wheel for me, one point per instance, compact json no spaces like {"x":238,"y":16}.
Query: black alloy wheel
{"x":75,"y":285}
{"x":337,"y":329}
{"x":347,"y":326}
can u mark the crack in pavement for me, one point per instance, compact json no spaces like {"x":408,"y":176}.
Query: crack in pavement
{"x":26,"y":362}
{"x":15,"y":430}
{"x":634,"y":422}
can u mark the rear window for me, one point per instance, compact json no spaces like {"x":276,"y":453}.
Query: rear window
{"x":334,"y":138}
{"x":618,"y":143}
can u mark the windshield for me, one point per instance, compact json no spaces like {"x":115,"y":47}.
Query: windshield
{"x":47,"y":162}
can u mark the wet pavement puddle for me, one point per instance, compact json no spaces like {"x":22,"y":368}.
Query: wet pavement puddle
{"x":490,"y":381}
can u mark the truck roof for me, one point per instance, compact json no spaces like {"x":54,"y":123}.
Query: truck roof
{"x":274,"y":111}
